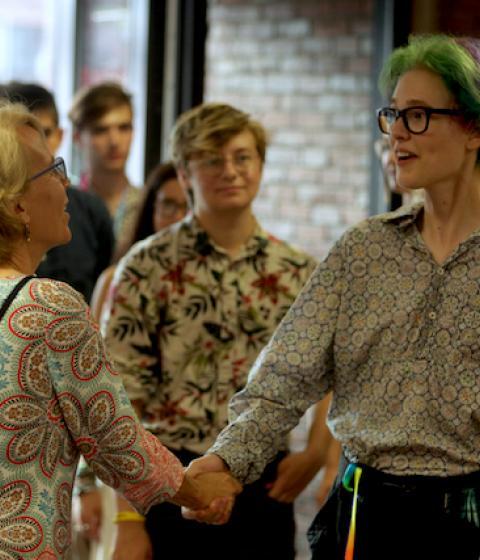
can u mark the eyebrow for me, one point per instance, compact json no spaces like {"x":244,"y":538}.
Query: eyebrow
{"x":413,"y":102}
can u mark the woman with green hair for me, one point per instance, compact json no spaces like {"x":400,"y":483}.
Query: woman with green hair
{"x":390,"y":323}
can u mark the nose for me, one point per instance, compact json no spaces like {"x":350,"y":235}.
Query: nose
{"x":398,"y":129}
{"x":229,"y":168}
{"x":114,"y":136}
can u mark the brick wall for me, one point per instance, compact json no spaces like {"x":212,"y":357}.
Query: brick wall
{"x":302,"y":67}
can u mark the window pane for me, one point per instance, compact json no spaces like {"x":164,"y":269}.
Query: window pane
{"x":36,"y":45}
{"x":106,"y":38}
{"x":112,"y":45}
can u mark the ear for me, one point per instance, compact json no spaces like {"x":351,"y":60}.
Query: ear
{"x":55,"y":140}
{"x":184,"y":178}
{"x":473,"y":141}
{"x":20,"y":208}
{"x":59,"y":133}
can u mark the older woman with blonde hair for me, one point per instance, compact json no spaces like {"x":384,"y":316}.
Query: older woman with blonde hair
{"x":59,"y":394}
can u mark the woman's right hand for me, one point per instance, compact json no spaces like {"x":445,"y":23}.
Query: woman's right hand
{"x":200,"y":490}
{"x":218,"y":489}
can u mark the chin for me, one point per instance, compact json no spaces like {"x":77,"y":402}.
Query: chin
{"x":404,"y":185}
{"x":66,"y":238}
{"x":116,"y":165}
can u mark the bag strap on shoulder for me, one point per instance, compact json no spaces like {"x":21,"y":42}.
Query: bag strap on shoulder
{"x":12,"y":295}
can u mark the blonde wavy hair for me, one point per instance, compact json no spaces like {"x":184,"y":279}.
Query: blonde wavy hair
{"x":207,"y":127}
{"x":13,"y":171}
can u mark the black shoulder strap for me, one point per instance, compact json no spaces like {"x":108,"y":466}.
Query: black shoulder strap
{"x":11,"y":296}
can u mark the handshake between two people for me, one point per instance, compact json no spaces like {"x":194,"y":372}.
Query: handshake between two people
{"x":208,"y":491}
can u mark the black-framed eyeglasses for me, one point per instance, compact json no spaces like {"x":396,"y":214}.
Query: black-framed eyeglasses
{"x":58,"y":167}
{"x":415,"y":119}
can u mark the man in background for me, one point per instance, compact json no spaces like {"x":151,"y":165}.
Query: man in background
{"x":102,"y":118}
{"x":80,"y":262}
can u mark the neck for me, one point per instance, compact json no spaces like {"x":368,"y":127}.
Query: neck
{"x":108,"y":183}
{"x":110,"y":186}
{"x":451,"y":215}
{"x":229,"y":230}
{"x":21,"y":262}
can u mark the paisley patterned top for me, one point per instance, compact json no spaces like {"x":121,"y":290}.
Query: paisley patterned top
{"x":59,"y":397}
{"x":188,"y":321}
{"x":395,"y":336}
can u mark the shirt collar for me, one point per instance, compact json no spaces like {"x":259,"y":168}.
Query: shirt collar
{"x":257,"y":242}
{"x":403,"y":216}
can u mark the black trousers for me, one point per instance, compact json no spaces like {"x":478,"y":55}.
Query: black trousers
{"x":259,"y":529}
{"x":400,"y":518}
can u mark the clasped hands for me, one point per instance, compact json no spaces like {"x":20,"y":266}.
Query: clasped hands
{"x":208,"y":491}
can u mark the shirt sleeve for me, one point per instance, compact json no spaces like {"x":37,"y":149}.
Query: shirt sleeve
{"x":95,"y":409}
{"x":293,"y":372}
{"x":130,"y":324}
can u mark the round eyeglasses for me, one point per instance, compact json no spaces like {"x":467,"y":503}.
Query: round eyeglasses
{"x":58,"y":167}
{"x":215,"y":165}
{"x":415,"y":119}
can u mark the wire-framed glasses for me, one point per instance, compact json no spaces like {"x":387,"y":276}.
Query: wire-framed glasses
{"x":215,"y":165}
{"x":58,"y":167}
{"x":167,"y":207}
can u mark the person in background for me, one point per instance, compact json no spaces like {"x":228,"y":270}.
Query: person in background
{"x":164,"y":203}
{"x":60,"y":395}
{"x":390,"y":323}
{"x":80,"y":262}
{"x":192,"y":307}
{"x":102,"y":119}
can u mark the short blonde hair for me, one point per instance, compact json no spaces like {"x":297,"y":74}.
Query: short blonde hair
{"x":207,"y":127}
{"x":13,"y":170}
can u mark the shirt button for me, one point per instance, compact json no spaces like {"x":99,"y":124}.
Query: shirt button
{"x":432,"y":315}
{"x":441,"y":271}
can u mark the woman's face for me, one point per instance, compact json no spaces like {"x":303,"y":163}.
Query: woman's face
{"x":43,"y":205}
{"x":170,"y":205}
{"x":440,"y":155}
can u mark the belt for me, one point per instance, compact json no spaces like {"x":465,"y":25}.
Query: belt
{"x":373,"y":478}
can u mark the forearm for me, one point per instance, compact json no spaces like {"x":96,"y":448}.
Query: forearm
{"x":319,"y":436}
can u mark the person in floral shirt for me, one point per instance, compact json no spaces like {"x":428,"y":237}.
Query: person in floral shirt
{"x":191,"y":309}
{"x":60,"y":395}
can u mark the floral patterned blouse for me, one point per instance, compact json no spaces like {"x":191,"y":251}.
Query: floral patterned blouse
{"x":59,"y":397}
{"x":396,"y":336}
{"x":188,"y":321}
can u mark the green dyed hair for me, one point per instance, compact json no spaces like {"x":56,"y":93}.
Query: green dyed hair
{"x":455,"y":59}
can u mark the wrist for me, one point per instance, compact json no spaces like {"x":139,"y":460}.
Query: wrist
{"x":128,"y":515}
{"x":189,"y":494}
